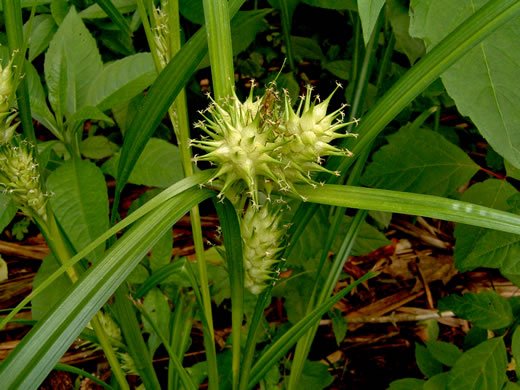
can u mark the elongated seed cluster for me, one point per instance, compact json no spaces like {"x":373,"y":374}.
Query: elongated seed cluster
{"x":20,"y":178}
{"x":263,"y":145}
{"x":262,"y":233}
{"x":19,"y":174}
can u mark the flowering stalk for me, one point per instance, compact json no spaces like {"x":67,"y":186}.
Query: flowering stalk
{"x":262,"y":145}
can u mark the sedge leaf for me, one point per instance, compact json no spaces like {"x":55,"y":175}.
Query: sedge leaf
{"x":80,"y":203}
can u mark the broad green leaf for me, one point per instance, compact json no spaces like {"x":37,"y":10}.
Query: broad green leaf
{"x":339,"y":325}
{"x":481,"y":368}
{"x":307,"y":48}
{"x":43,"y":29}
{"x":44,"y":301}
{"x":192,"y":10}
{"x":124,"y":113}
{"x":399,"y":17}
{"x":97,"y":147}
{"x":85,"y":113}
{"x":446,"y":353}
{"x":39,"y":109}
{"x":4,"y":272}
{"x":158,"y":166}
{"x":368,"y":239}
{"x":59,"y":10}
{"x":162,"y":252}
{"x":407,"y":384}
{"x":157,"y":307}
{"x":486,"y":309}
{"x":350,"y":5}
{"x":420,"y":161}
{"x":511,"y":170}
{"x":72,"y":51}
{"x":246,"y":25}
{"x":96,"y":12}
{"x":7,"y":211}
{"x":121,"y":80}
{"x":491,"y":193}
{"x":31,"y":361}
{"x":515,"y":348}
{"x":437,"y":382}
{"x":426,"y":362}
{"x":369,"y":11}
{"x":340,"y":68}
{"x":315,"y":376}
{"x":288,"y":82}
{"x":485,"y":83}
{"x":80,"y":203}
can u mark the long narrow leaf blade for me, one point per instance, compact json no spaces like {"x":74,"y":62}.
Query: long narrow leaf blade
{"x":30,"y":362}
{"x":414,"y":204}
{"x":114,"y":14}
{"x":233,"y":244}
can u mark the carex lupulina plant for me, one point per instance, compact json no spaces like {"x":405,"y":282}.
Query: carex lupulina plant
{"x":262,"y":148}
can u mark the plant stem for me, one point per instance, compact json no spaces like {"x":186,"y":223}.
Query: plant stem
{"x":286,"y":27}
{"x":216,"y":14}
{"x":13,"y":25}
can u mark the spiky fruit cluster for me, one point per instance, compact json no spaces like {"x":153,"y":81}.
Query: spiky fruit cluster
{"x":20,"y":178}
{"x":262,"y":233}
{"x":243,"y":142}
{"x":311,"y":131}
{"x":264,"y":147}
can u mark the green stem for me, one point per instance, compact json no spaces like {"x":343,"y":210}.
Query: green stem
{"x":216,"y":14}
{"x":13,"y":25}
{"x":286,"y":27}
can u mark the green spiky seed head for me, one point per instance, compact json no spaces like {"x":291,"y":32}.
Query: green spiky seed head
{"x":241,"y":141}
{"x":262,"y":233}
{"x":20,"y":178}
{"x":311,"y":131}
